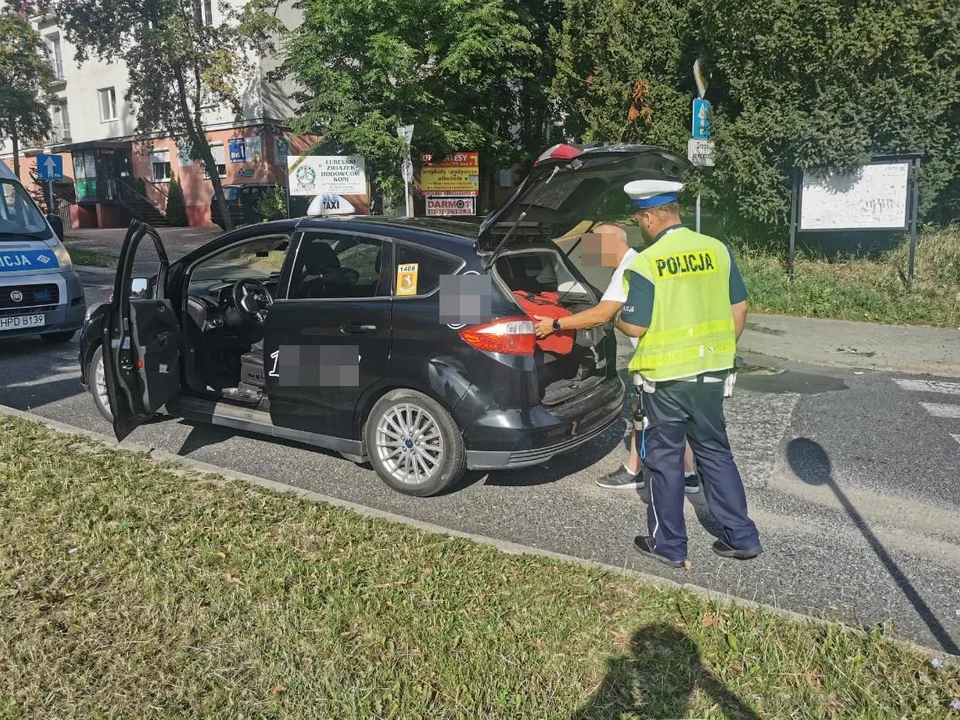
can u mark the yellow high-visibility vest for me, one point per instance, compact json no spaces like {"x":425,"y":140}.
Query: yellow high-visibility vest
{"x":691,"y":330}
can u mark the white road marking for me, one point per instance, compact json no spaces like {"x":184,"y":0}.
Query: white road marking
{"x":941,"y":410}
{"x":73,"y":375}
{"x":931,"y":386}
{"x":956,"y":437}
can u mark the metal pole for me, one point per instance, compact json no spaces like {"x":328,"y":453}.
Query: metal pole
{"x":50,"y":201}
{"x":698,"y":212}
{"x":914,"y":201}
{"x":406,"y":198}
{"x":795,"y":199}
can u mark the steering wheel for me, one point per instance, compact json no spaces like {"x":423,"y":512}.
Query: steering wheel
{"x":252,"y":300}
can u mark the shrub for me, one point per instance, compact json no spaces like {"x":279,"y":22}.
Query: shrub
{"x":176,"y":207}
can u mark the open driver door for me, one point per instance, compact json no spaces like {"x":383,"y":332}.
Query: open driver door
{"x":142,"y":339}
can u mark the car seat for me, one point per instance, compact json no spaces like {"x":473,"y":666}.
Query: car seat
{"x":318,"y":258}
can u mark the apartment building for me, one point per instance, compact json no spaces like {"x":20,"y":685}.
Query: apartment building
{"x":110,"y":174}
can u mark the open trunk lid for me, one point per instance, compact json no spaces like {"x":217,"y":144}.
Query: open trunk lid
{"x":568,"y":185}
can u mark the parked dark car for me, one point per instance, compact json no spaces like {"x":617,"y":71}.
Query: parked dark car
{"x":245,"y":204}
{"x":308,"y":330}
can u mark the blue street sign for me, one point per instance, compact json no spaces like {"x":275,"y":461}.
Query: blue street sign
{"x":702,"y":112}
{"x":238,"y":150}
{"x":49,"y":167}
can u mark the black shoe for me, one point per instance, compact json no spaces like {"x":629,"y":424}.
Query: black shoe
{"x":691,"y":484}
{"x":622,"y":478}
{"x":644,"y":545}
{"x":727,"y":551}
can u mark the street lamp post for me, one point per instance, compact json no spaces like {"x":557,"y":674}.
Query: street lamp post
{"x":405,"y":133}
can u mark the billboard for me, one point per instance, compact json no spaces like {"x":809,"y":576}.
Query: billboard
{"x":445,"y":205}
{"x":335,"y":174}
{"x":457,"y":174}
{"x":328,"y":176}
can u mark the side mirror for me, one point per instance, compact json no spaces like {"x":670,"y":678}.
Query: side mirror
{"x":140,"y":288}
{"x":57,"y":224}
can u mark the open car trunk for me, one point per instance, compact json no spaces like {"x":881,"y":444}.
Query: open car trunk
{"x":542,"y":268}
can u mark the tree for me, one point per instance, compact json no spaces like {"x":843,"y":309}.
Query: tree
{"x":272,"y":204}
{"x":620,"y":72}
{"x":25,"y":78}
{"x":463,"y":71}
{"x":818,"y":84}
{"x":826,"y":83}
{"x":179,"y":62}
{"x":176,"y":207}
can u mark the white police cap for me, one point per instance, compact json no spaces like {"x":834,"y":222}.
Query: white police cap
{"x":646,"y":194}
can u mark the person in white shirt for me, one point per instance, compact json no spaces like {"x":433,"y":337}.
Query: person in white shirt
{"x":607,"y":245}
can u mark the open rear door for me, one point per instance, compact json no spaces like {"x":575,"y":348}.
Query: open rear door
{"x":142,"y":338}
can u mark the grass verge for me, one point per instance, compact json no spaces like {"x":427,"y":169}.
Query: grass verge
{"x":129,"y":589}
{"x":862,"y":289}
{"x":90,"y":258}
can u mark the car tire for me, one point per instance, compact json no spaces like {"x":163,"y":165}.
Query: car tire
{"x":429,"y":459}
{"x":58,"y":337}
{"x":96,"y":381}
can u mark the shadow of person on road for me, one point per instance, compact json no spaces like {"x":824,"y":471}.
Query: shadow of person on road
{"x":811,"y":463}
{"x":657,"y":678}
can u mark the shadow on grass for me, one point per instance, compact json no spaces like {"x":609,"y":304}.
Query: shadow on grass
{"x":656,"y":678}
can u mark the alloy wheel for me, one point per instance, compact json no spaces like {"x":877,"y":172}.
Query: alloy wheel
{"x":100,"y":385}
{"x":409,"y":444}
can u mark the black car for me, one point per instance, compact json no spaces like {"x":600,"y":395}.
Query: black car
{"x":332,"y":331}
{"x":245,"y":202}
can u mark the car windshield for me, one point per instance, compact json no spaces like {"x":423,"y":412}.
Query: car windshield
{"x":256,"y":259}
{"x":19,"y":215}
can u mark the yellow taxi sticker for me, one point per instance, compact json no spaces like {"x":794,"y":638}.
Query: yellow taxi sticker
{"x":407,"y":278}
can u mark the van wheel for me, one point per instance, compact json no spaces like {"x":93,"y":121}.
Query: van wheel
{"x":97,"y":382}
{"x":413,"y":444}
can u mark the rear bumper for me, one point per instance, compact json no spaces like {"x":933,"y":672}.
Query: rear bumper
{"x":66,"y":316}
{"x":511,"y":439}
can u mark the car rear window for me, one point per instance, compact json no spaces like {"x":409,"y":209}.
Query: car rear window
{"x":232,"y":194}
{"x":429,"y":267}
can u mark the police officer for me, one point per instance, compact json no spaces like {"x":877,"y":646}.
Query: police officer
{"x":687,"y":304}
{"x":607,"y":245}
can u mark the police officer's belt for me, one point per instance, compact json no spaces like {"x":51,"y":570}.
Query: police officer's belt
{"x":702,"y":378}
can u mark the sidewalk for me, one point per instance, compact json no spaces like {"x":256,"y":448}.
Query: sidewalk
{"x":177,"y":241}
{"x":900,"y":348}
{"x":840,"y":343}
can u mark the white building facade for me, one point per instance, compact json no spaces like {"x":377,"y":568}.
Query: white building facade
{"x":111,"y":174}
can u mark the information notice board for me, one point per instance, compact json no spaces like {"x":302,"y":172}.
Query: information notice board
{"x":880,"y":197}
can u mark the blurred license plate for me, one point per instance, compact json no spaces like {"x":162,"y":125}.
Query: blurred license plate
{"x":18,"y":322}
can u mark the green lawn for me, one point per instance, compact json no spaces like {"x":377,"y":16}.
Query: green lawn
{"x":868,"y":290}
{"x":90,"y":258}
{"x":130,"y":590}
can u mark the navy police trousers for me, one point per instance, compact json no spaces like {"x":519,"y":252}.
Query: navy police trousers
{"x":693,"y":410}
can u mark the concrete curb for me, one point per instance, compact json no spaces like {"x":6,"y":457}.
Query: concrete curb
{"x":934,"y":369}
{"x":501,"y":545}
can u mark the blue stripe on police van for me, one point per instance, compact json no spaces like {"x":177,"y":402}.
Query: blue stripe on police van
{"x":20,"y":260}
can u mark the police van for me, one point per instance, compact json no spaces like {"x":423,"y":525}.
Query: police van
{"x":40,"y":292}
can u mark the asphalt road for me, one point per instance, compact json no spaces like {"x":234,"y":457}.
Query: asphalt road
{"x":851,"y":478}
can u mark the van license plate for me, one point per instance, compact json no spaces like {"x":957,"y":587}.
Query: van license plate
{"x":18,"y":322}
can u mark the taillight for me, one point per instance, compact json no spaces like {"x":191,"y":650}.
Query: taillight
{"x":509,"y":336}
{"x":559,"y":152}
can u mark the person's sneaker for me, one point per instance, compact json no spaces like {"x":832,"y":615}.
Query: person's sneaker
{"x":728,"y":551}
{"x":622,"y":478}
{"x":691,"y":484}
{"x":644,"y":545}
